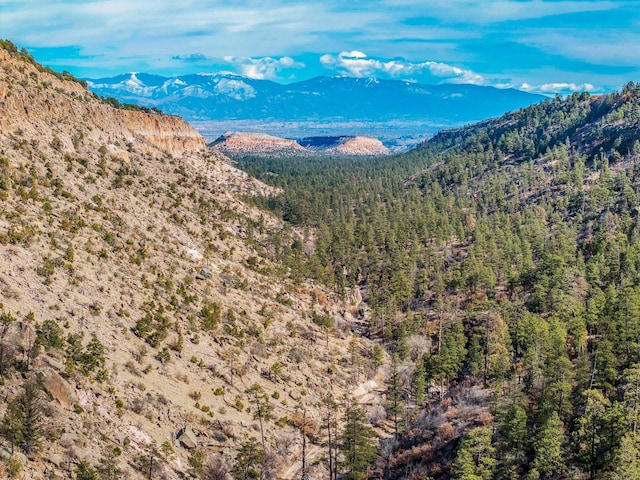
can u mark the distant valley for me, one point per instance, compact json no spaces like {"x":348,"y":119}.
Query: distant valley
{"x":399,"y":113}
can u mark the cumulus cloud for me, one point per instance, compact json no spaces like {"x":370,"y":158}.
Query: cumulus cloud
{"x":264,"y":67}
{"x":557,"y":87}
{"x":359,"y":64}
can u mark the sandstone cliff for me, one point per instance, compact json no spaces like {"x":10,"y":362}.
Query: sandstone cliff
{"x":252,"y":143}
{"x":43,"y":106}
{"x":237,"y":143}
{"x":353,"y":145}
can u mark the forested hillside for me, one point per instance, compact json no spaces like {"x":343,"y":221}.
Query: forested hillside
{"x":501,"y":265}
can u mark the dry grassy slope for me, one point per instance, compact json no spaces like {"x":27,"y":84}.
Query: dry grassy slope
{"x":154,"y":224}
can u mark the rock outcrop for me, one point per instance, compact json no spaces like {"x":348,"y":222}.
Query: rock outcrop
{"x":252,"y":143}
{"x":45,"y":107}
{"x":234,"y":143}
{"x":352,"y":145}
{"x":57,"y":387}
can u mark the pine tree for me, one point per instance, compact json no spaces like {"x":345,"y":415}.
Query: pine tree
{"x":330,"y":424}
{"x":356,"y":443}
{"x":22,"y":424}
{"x":549,"y":458}
{"x":250,"y":461}
{"x":108,"y":467}
{"x":419,"y":383}
{"x":590,"y":430}
{"x":85,"y":471}
{"x":515,"y":431}
{"x":150,"y":461}
{"x":626,"y":464}
{"x":451,"y":357}
{"x":476,"y":456}
{"x":395,"y":404}
{"x":262,"y":409}
{"x":11,"y":425}
{"x":631,"y":397}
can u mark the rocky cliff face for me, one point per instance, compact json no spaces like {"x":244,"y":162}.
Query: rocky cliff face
{"x":44,"y":107}
{"x":356,"y":145}
{"x":252,"y":143}
{"x":238,"y":143}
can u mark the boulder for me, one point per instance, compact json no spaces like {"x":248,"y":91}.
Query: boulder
{"x":57,"y":387}
{"x":187,"y":438}
{"x":204,"y":274}
{"x":56,"y":460}
{"x":19,"y":335}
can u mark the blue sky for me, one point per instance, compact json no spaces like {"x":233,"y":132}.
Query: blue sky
{"x":553,"y":46}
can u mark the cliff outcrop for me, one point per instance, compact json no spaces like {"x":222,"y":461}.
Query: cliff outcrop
{"x":49,"y":109}
{"x":238,"y":143}
{"x":253,"y":143}
{"x":352,"y":145}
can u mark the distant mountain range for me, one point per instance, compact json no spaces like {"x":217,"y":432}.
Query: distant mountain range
{"x":227,"y":97}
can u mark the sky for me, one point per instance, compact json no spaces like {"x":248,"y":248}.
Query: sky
{"x":541,"y":46}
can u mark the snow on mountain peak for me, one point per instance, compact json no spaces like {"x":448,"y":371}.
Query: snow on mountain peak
{"x":236,"y":89}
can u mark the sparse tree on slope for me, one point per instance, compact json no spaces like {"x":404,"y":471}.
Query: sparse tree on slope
{"x":356,"y":443}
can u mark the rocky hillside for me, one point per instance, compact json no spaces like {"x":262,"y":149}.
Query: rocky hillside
{"x":152,"y":304}
{"x":237,"y":144}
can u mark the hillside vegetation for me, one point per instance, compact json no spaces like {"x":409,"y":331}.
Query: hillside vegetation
{"x":150,"y":324}
{"x":165,"y":315}
{"x":501,"y":264}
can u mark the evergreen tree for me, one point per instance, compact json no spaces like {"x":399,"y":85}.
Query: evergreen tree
{"x":515,"y":431}
{"x":330,"y":424}
{"x":108,"y":466}
{"x":395,"y":391}
{"x":86,"y":471}
{"x":549,"y":461}
{"x":356,"y":443}
{"x":23,"y":421}
{"x":419,"y":383}
{"x":590,"y":430}
{"x":476,"y":456}
{"x":262,"y":408}
{"x":150,"y":462}
{"x":626,"y":464}
{"x":11,"y":425}
{"x":250,"y":461}
{"x":631,"y":395}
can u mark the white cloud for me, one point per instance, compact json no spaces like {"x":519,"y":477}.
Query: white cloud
{"x":614,"y":48}
{"x":484,"y":12}
{"x":358,"y":64}
{"x":264,"y":67}
{"x":557,"y":87}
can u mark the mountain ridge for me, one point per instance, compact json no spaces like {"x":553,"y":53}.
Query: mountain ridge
{"x":418,"y":109}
